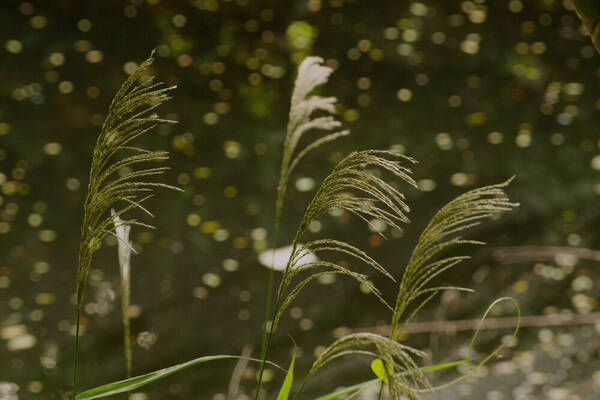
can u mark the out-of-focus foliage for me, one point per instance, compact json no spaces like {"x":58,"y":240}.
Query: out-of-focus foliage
{"x":477,"y":91}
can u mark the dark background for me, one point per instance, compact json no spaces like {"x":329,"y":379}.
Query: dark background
{"x":477,"y":91}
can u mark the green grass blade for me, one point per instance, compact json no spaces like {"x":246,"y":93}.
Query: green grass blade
{"x":284,"y":392}
{"x":142,"y":380}
{"x":354,"y":388}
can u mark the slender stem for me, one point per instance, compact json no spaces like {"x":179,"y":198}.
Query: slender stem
{"x":271,"y":323}
{"x":267,"y":330}
{"x":238,"y":371}
{"x":381,"y":385}
{"x":268,"y":323}
{"x":126,"y":325}
{"x":386,"y":368}
{"x":126,"y":335}
{"x":76,"y":356}
{"x":301,"y":387}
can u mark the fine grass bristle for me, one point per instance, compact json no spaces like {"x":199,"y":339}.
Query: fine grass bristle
{"x":354,"y":186}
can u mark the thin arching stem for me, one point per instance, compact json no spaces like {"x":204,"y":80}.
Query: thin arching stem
{"x":301,"y":387}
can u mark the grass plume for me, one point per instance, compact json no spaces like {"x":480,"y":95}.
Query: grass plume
{"x":311,"y":73}
{"x":462,"y":213}
{"x":129,"y":116}
{"x":466,"y":211}
{"x":351,"y":187}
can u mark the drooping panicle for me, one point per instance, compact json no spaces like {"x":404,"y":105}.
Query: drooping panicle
{"x":464,"y":212}
{"x":352,"y":187}
{"x":403,"y":377}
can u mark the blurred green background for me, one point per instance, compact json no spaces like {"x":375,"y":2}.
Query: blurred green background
{"x":477,"y":91}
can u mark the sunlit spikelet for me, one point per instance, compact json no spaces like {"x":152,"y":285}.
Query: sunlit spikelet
{"x":129,"y":116}
{"x":352,"y":187}
{"x":311,"y":73}
{"x":466,"y":211}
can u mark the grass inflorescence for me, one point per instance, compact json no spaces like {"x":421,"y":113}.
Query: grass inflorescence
{"x":130,"y":115}
{"x":363,"y":184}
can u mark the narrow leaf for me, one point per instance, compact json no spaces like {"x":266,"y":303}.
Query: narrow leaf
{"x":284,"y":392}
{"x":142,"y":380}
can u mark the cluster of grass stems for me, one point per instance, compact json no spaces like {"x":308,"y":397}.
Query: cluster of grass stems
{"x":120,"y":182}
{"x":355,"y":185}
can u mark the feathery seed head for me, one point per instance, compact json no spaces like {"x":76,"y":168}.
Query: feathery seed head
{"x":350,"y":187}
{"x":130,"y":115}
{"x":310,"y":75}
{"x":464,"y":212}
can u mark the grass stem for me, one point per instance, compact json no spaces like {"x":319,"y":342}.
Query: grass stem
{"x":76,"y":356}
{"x":268,"y":323}
{"x":126,"y":326}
